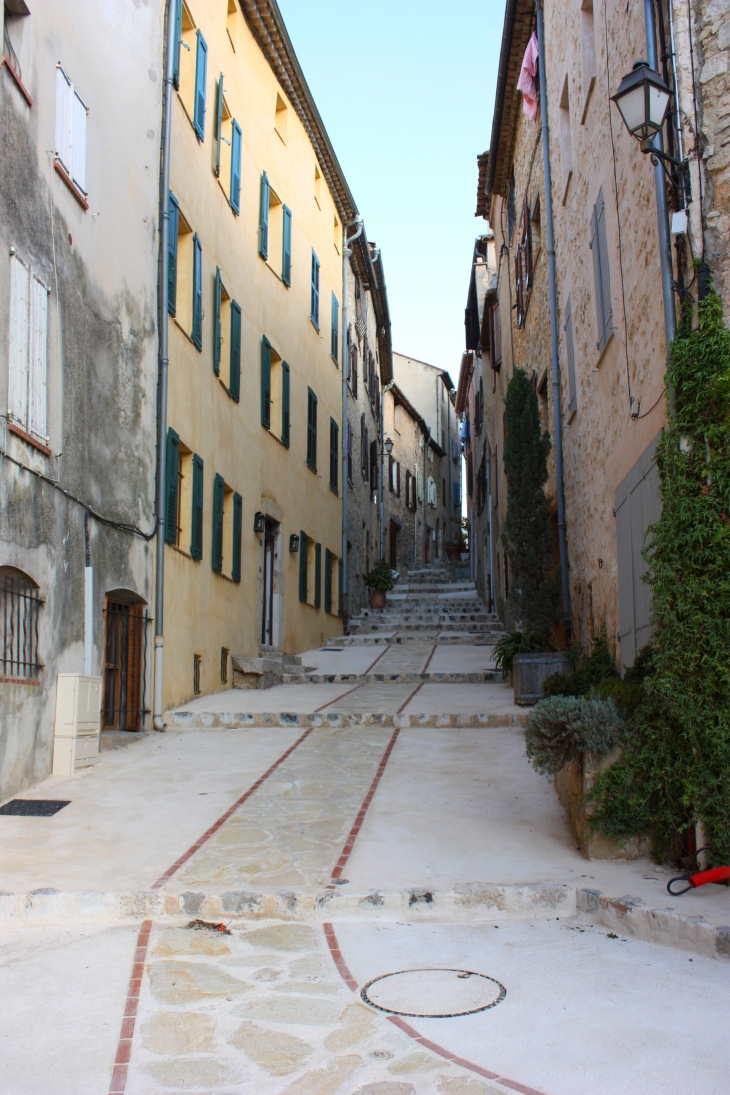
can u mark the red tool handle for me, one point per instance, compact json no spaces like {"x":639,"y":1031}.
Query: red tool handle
{"x":717,"y":874}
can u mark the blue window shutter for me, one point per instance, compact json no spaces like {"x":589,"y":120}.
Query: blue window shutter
{"x":317,"y":575}
{"x":264,"y":218}
{"x":173,"y":467}
{"x":235,"y":167}
{"x":197,"y":332}
{"x":314,"y":297}
{"x":217,"y":337}
{"x":285,"y":403}
{"x":286,"y":247}
{"x":335,"y":340}
{"x":328,"y":580}
{"x":234,"y":382}
{"x":172,"y":230}
{"x":176,"y":47}
{"x":218,"y":496}
{"x":266,"y":383}
{"x":334,"y":455}
{"x":237,"y":534}
{"x":303,"y":562}
{"x":196,"y":537}
{"x":201,"y":72}
{"x":568,"y":328}
{"x":218,"y":125}
{"x":339,"y":587}
{"x":311,"y":429}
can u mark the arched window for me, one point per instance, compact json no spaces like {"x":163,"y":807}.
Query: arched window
{"x":20,"y":605}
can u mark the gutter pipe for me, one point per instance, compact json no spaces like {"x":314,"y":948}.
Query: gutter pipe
{"x":557,"y":424}
{"x":382,"y":466}
{"x":346,"y":256}
{"x":163,"y":363}
{"x":426,"y":443}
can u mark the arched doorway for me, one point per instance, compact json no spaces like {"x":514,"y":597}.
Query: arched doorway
{"x":125,"y":661}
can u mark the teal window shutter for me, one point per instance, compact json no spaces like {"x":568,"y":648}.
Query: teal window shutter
{"x":334,"y":455}
{"x":317,"y":575}
{"x":328,"y":580}
{"x":286,"y":246}
{"x":335,"y":337}
{"x":237,"y":533}
{"x":266,"y":383}
{"x":285,"y":402}
{"x":314,"y":295}
{"x":196,"y":534}
{"x":235,"y":167}
{"x":234,"y":383}
{"x":218,"y":496}
{"x":303,"y":562}
{"x":173,"y":211}
{"x":176,"y":47}
{"x":218,"y":125}
{"x":197,"y":332}
{"x":339,"y":587}
{"x":217,"y":336}
{"x":311,"y":429}
{"x":264,"y":218}
{"x":171,"y":486}
{"x":201,"y":72}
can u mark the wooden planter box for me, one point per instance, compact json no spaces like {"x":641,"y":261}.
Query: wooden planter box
{"x":530,"y":670}
{"x":573,"y":784}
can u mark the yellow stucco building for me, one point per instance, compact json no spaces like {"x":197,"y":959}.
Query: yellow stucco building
{"x":257,"y":208}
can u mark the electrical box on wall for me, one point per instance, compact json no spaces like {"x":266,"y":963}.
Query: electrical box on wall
{"x":78,"y":719}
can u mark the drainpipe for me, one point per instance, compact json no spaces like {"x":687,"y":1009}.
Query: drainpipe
{"x":426,"y":443}
{"x":450,"y":509}
{"x":382,"y":467}
{"x":346,"y":256}
{"x":162,"y":297}
{"x":557,"y":425}
{"x":662,"y":208}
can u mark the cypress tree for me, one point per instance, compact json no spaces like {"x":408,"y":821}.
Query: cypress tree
{"x":534,"y":590}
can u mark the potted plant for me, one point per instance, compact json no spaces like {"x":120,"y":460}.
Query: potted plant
{"x":379,"y":580}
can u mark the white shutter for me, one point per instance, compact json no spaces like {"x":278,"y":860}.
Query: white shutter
{"x":64,"y":112}
{"x":18,"y":355}
{"x":38,"y":358}
{"x":78,"y":141}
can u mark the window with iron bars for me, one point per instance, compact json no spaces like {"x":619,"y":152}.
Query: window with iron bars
{"x":19,"y":613}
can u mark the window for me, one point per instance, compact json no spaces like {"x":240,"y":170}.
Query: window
{"x":310,"y":571}
{"x":314,"y":295}
{"x":197,"y":331}
{"x":334,"y":455}
{"x":353,"y":365}
{"x":224,"y":665}
{"x":71,"y":113}
{"x":568,"y":328}
{"x":172,"y":486}
{"x":20,"y":35}
{"x":28,"y":349}
{"x":373,"y":466}
{"x":233,"y":22}
{"x":496,"y":337}
{"x":286,"y":246}
{"x":226,"y":336}
{"x":201,"y":72}
{"x":364,"y":449}
{"x":275,"y":390}
{"x":588,"y":52}
{"x":280,"y":117}
{"x":197,"y":665}
{"x":566,"y":146}
{"x":183,"y":496}
{"x":409,"y":479}
{"x":222,"y":526}
{"x":349,"y":453}
{"x":234,"y":378}
{"x":432,"y":493}
{"x":311,"y":429}
{"x":20,"y":606}
{"x":328,"y":559}
{"x":235,"y":186}
{"x":303,"y":566}
{"x":601,"y":274}
{"x":419,"y":484}
{"x":335,"y":335}
{"x":317,"y":187}
{"x":264,"y":217}
{"x":275,"y":230}
{"x":196,"y":527}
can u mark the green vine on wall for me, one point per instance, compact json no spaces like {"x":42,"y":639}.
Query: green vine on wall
{"x":675,"y":768}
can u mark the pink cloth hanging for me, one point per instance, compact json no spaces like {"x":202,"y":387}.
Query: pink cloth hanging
{"x":526,"y":83}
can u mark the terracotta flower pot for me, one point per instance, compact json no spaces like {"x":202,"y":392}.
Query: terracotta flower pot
{"x":377,"y":598}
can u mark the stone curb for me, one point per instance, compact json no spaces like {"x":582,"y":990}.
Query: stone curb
{"x":234,"y":720}
{"x":628,"y":915}
{"x":486,"y":676}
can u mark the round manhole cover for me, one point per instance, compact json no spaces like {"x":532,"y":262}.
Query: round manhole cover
{"x":433,"y":993}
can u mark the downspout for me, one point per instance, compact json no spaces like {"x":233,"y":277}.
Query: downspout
{"x":426,"y":443}
{"x":450,"y":510}
{"x":382,"y":467}
{"x":162,"y":297}
{"x":346,"y":256}
{"x":557,"y":425}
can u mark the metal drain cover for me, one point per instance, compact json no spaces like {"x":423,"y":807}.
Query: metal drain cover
{"x":32,"y":807}
{"x":433,"y":993}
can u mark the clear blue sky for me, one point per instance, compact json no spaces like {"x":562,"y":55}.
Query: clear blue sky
{"x":406,"y":91}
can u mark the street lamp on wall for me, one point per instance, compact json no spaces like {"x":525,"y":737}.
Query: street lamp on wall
{"x":388,"y":446}
{"x":259,"y":522}
{"x":293,"y":542}
{"x":643,"y":99}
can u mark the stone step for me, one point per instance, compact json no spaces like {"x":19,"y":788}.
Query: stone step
{"x":373,"y":638}
{"x":476,"y":677}
{"x":380,"y":616}
{"x":369,"y":627}
{"x":235,"y":720}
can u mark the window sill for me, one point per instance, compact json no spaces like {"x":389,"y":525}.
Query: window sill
{"x":333,"y":358}
{"x":314,"y":324}
{"x":18,"y":82}
{"x":80,"y":198}
{"x":602,"y":349}
{"x":20,"y":680}
{"x":312,"y":467}
{"x":28,"y":439}
{"x":225,"y":577}
{"x":182,"y":551}
{"x":334,"y":490}
{"x":182,"y":330}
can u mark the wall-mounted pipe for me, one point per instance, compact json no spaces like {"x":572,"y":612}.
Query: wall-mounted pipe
{"x":382,"y":466}
{"x":346,"y":256}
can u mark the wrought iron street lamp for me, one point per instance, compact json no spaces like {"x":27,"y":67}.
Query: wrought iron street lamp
{"x":643,"y":99}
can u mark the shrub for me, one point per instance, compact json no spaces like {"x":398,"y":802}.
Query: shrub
{"x":599,"y":666}
{"x":380,"y":577}
{"x":563,"y":727}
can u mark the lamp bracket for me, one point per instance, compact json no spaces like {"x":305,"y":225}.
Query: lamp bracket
{"x":680,"y":176}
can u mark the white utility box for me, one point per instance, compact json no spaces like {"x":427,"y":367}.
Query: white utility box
{"x":78,"y":719}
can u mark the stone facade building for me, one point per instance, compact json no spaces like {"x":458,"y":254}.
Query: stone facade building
{"x":404,"y":496}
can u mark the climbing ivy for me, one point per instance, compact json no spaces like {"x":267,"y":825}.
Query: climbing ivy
{"x":675,"y":768}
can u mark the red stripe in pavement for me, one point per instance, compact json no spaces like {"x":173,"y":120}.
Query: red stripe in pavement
{"x":344,"y":972}
{"x":429,"y":658}
{"x":124,"y":1046}
{"x":355,"y":686}
{"x":404,"y":705}
{"x":232,"y":809}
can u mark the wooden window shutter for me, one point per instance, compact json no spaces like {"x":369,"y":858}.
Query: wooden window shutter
{"x":176,"y":47}
{"x":303,"y":563}
{"x":526,"y":246}
{"x":218,"y":125}
{"x":234,"y":383}
{"x":217,"y":335}
{"x":349,"y":453}
{"x":171,"y":483}
{"x":339,"y":588}
{"x":235,"y":197}
{"x":311,"y":429}
{"x":218,"y":496}
{"x":286,"y":246}
{"x":237,"y":536}
{"x":334,"y":455}
{"x":285,"y":403}
{"x":328,"y":580}
{"x":201,"y":72}
{"x":317,"y":575}
{"x":335,"y":336}
{"x":265,"y":382}
{"x":568,"y":328}
{"x":519,"y":286}
{"x":264,"y":218}
{"x":397,"y":479}
{"x":314,"y":296}
{"x":172,"y":230}
{"x":605,"y":272}
{"x":196,"y":537}
{"x":408,"y":489}
{"x":197,"y":332}
{"x":391,"y":474}
{"x":354,"y":372}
